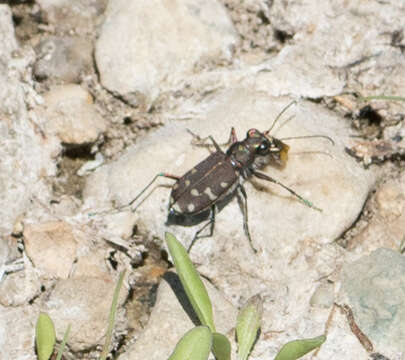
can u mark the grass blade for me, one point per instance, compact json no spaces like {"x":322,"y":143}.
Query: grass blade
{"x":63,"y":344}
{"x":111,"y":318}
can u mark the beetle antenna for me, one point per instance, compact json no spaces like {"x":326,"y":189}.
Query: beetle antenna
{"x":279,"y":116}
{"x":309,"y":137}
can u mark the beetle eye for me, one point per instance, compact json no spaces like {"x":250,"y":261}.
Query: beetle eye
{"x":263,"y":147}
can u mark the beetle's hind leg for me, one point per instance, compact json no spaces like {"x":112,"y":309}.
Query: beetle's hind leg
{"x":120,"y":208}
{"x":242,"y":201}
{"x":210,"y":223}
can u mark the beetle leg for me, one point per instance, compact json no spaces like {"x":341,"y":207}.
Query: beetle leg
{"x":170,"y":176}
{"x":242,"y":201}
{"x":232,"y":137}
{"x":291,"y":191}
{"x":210,"y":222}
{"x":199,"y":141}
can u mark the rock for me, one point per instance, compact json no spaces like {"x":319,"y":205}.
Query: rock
{"x":72,"y":16}
{"x":169,"y":320}
{"x":45,"y":242}
{"x":7,"y":252}
{"x":20,"y":287}
{"x":20,"y":139}
{"x":374,"y":286}
{"x":8,"y":42}
{"x":323,"y":296}
{"x":387,"y":226}
{"x":71,"y":115}
{"x":17,"y":336}
{"x":92,"y":264}
{"x":85,"y":304}
{"x":63,"y":58}
{"x":159,"y":44}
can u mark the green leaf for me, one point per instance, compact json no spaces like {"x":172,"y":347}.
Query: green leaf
{"x":194,"y":345}
{"x":248,"y":324}
{"x":221,"y":347}
{"x":192,"y":284}
{"x":62,"y":346}
{"x":44,"y":336}
{"x":111,"y":318}
{"x":297,"y":348}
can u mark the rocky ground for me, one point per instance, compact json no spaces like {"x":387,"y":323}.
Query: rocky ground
{"x":96,"y":98}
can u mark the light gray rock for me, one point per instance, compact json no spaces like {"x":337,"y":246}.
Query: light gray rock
{"x":8,"y":42}
{"x":159,"y":44}
{"x":170,"y":320}
{"x":20,"y":287}
{"x":324,"y":296}
{"x":374,"y":286}
{"x":70,"y":114}
{"x":387,"y":226}
{"x":17,"y":329}
{"x":25,"y":155}
{"x":63,"y":58}
{"x":73,"y":16}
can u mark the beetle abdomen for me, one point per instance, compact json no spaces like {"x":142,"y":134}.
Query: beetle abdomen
{"x":203,"y":185}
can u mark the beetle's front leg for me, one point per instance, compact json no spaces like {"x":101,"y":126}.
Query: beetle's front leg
{"x":291,"y":191}
{"x":242,"y":201}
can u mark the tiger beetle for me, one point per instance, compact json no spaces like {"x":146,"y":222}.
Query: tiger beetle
{"x":210,"y":185}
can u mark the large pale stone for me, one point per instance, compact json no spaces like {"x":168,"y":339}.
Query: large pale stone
{"x":147,"y":45}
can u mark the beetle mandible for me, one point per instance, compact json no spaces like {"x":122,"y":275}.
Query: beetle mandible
{"x":212,"y":183}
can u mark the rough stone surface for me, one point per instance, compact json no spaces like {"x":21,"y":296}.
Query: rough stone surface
{"x":387,"y":227}
{"x":170,"y":317}
{"x":84,"y":303}
{"x":25,"y":154}
{"x":20,"y":287}
{"x":17,"y":328}
{"x":375,"y":288}
{"x":46,"y":242}
{"x":71,"y":115}
{"x":163,"y":44}
{"x":63,"y":58}
{"x":75,"y":16}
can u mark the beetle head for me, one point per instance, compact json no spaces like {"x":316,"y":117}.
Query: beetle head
{"x":266,"y":149}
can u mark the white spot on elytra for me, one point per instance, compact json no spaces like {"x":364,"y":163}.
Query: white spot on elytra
{"x":194,"y":192}
{"x":224,"y":184}
{"x":193,"y":170}
{"x":211,"y":196}
{"x":176,"y":208}
{"x":190,"y":207}
{"x":187,"y":182}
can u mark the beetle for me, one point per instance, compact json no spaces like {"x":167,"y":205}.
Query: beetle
{"x":211,"y":184}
